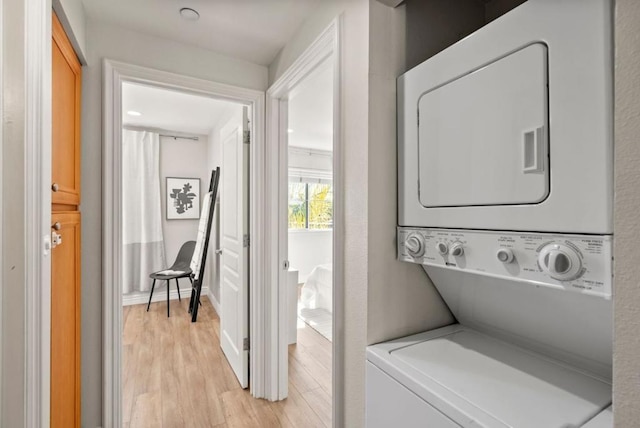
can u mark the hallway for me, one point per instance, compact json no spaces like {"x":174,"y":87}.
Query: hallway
{"x":175,"y":375}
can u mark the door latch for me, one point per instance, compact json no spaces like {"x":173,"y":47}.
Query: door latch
{"x":56,"y":239}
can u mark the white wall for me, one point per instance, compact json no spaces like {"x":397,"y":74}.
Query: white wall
{"x":401,"y":298}
{"x":308,"y":249}
{"x":626,"y":364}
{"x":12,"y":408}
{"x":73,"y":20}
{"x":181,"y":158}
{"x":353,"y":103}
{"x":104,"y":41}
{"x":312,"y":160}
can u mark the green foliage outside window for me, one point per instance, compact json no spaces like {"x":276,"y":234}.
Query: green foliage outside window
{"x":310,"y":206}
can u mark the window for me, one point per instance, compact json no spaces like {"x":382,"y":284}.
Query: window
{"x":310,"y":206}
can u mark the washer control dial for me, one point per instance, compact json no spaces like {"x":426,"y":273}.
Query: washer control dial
{"x":505,"y":255}
{"x":560,"y":261}
{"x":442,"y":248}
{"x":456,"y":249}
{"x":415,"y":245}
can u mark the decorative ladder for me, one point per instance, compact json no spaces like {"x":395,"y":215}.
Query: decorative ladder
{"x":197,"y":277}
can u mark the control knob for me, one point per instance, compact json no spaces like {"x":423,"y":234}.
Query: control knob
{"x":442,"y":248}
{"x":456,"y":249}
{"x":560,"y":261}
{"x":415,"y":245}
{"x":505,"y":255}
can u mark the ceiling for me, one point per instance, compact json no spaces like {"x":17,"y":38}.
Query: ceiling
{"x":311,"y":111}
{"x":253,"y":30}
{"x":171,"y":110}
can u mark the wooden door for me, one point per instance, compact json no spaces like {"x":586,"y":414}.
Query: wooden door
{"x":65,"y":321}
{"x":65,"y":221}
{"x":66,"y":84}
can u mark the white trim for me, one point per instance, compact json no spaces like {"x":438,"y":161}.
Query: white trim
{"x":37,"y":211}
{"x":159,"y":295}
{"x":114,"y":74}
{"x":214,"y":302}
{"x":1,"y":201}
{"x":339,"y":221}
{"x":310,"y":152}
{"x":325,"y":47}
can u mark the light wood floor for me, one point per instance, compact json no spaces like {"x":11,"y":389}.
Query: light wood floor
{"x":175,"y":375}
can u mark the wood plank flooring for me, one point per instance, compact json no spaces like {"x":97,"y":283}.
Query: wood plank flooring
{"x":175,"y":375}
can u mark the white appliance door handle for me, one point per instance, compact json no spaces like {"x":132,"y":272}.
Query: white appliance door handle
{"x":533,"y":156}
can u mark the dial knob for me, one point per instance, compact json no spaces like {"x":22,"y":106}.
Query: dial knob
{"x":456,"y":249}
{"x":415,"y":245}
{"x":560,"y":261}
{"x":442,"y":248}
{"x":505,"y":255}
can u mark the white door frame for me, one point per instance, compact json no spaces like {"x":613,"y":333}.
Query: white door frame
{"x":326,"y":46}
{"x":38,"y":15}
{"x":115,"y":73}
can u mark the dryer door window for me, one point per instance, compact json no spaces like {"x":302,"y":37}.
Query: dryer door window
{"x":483,"y":137}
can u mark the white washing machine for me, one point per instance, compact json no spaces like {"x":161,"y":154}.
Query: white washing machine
{"x":505,"y":199}
{"x":532,"y":346}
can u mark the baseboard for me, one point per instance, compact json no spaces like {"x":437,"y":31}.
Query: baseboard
{"x":159,"y":295}
{"x":214,"y":302}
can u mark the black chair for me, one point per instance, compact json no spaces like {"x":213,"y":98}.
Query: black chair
{"x":182,"y":265}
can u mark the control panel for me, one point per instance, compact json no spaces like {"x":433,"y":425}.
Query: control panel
{"x":580,"y":263}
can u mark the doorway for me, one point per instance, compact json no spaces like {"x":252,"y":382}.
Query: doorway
{"x":171,"y":142}
{"x":308,"y":174}
{"x":309,"y":216}
{"x":117,"y":78}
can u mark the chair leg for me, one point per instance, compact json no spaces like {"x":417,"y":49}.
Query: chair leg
{"x":151,"y":294}
{"x":167,"y":298}
{"x":178,"y":286}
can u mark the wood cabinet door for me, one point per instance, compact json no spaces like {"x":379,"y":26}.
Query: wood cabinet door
{"x":65,"y":220}
{"x":65,"y":321}
{"x":65,"y":150}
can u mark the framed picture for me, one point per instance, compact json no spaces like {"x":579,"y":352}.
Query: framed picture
{"x":183,"y":198}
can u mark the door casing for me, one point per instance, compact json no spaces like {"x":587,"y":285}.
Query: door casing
{"x":114,"y":74}
{"x":325,"y":47}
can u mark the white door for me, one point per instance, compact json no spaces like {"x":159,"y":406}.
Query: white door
{"x":234,"y":284}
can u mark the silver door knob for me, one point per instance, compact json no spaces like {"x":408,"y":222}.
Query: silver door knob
{"x":57,"y":225}
{"x":219,"y":251}
{"x":55,"y":187}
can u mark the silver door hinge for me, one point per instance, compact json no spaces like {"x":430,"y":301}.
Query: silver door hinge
{"x":245,"y":344}
{"x":246,"y":241}
{"x":246,"y":138}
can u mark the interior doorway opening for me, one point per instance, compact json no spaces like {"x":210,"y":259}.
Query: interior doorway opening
{"x":171,"y":143}
{"x":238,"y":128}
{"x":287,"y":184}
{"x":309,"y":217}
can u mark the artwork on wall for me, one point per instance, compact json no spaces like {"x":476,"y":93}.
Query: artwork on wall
{"x":183,"y":198}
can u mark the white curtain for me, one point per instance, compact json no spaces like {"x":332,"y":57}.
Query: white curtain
{"x":143,"y":251}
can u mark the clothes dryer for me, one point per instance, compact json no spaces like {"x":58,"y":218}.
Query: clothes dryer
{"x":511,"y":127}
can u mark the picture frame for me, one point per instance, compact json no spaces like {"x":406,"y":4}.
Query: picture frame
{"x":182,"y":198}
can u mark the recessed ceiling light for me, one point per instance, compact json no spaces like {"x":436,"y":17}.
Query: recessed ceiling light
{"x":289,"y":130}
{"x":134,"y":113}
{"x":189,"y":14}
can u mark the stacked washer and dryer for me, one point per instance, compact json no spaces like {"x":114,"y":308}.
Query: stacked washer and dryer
{"x":505,"y":199}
